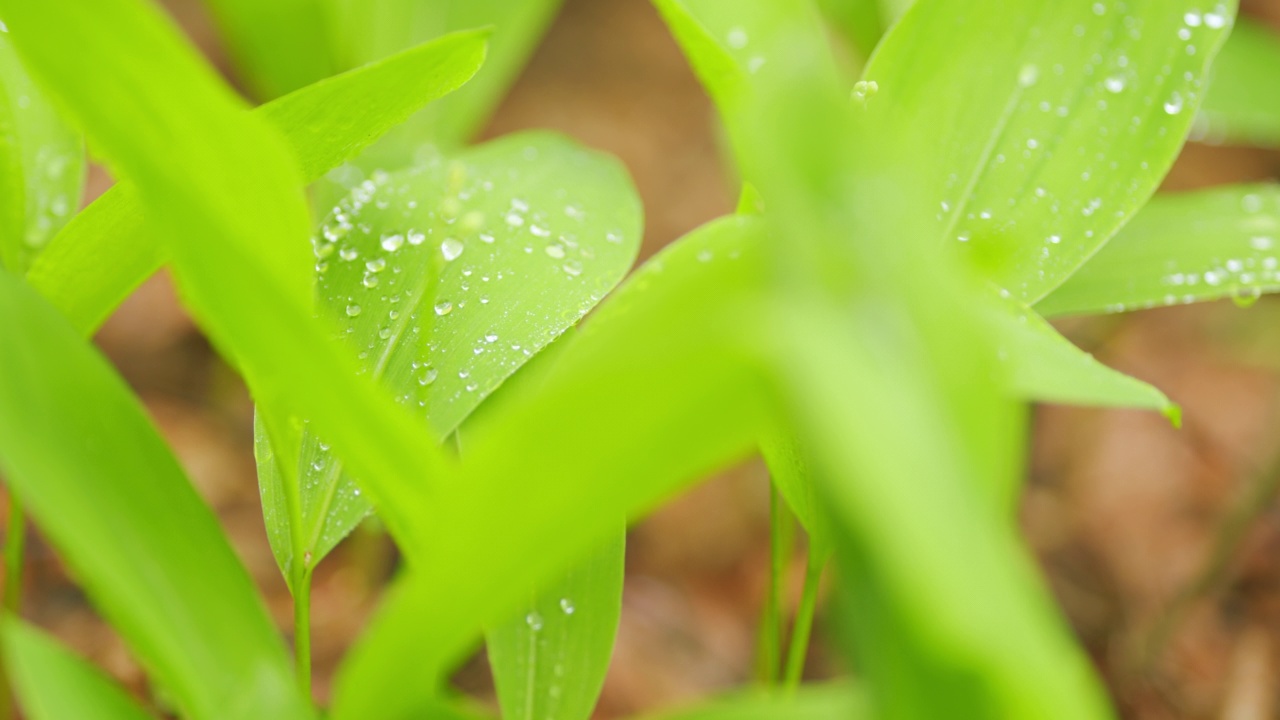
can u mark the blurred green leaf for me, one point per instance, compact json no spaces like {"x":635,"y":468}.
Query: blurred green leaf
{"x":222,"y":190}
{"x":549,"y":661}
{"x":121,"y":513}
{"x":1183,"y":247}
{"x":792,"y":475}
{"x":41,"y":166}
{"x":862,"y":22}
{"x":890,"y":378}
{"x":1044,"y":366}
{"x":1242,"y":105}
{"x":661,"y":365}
{"x":365,"y":30}
{"x":107,"y":250}
{"x":1045,"y":128}
{"x":446,"y":278}
{"x":53,"y":684}
{"x":812,"y":702}
{"x":278,"y":45}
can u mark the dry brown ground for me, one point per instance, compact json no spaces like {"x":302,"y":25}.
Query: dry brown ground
{"x":1161,"y":545}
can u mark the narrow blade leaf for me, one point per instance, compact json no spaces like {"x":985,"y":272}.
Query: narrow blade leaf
{"x":549,"y":660}
{"x":120,"y":511}
{"x":1182,"y":248}
{"x":107,"y":250}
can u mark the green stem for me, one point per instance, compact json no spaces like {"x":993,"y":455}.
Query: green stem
{"x":302,"y":629}
{"x":799,"y":650}
{"x":14,"y":553}
{"x":780,"y":530}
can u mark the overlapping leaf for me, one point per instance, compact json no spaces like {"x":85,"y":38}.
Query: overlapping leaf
{"x":53,"y":684}
{"x":1242,"y":105}
{"x":445,"y":279}
{"x":1184,"y":247}
{"x":278,"y":45}
{"x":661,"y":359}
{"x":107,"y":250}
{"x":549,"y":661}
{"x":121,"y":513}
{"x":41,"y":165}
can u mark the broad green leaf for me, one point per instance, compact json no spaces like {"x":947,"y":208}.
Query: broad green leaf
{"x":53,"y":684}
{"x":549,"y":661}
{"x":365,"y":30}
{"x":551,"y":476}
{"x":812,"y":702}
{"x":107,"y":250}
{"x":159,"y":115}
{"x":120,"y":511}
{"x":1044,"y":366}
{"x":1046,"y":128}
{"x":445,"y":278}
{"x":1242,"y":105}
{"x":41,"y":165}
{"x":1182,"y":248}
{"x":278,"y":45}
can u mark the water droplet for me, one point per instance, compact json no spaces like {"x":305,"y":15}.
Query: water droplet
{"x":613,"y":237}
{"x":1028,"y":75}
{"x":348,"y":253}
{"x":556,"y":250}
{"x":491,"y":336}
{"x":376,"y":265}
{"x":1261,"y":242}
{"x":1193,"y":18}
{"x":573,"y":268}
{"x":567,"y":606}
{"x":370,"y":281}
{"x":428,"y":376}
{"x":444,"y":307}
{"x":1251,"y":203}
{"x":392,"y":243}
{"x":515,"y":219}
{"x":353,"y":310}
{"x":416,"y":238}
{"x":534,"y":621}
{"x":451,"y":248}
{"x":1174,"y":104}
{"x":737,"y":38}
{"x":1114,"y":84}
{"x":486,"y":238}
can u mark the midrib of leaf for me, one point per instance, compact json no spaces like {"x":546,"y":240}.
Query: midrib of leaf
{"x":379,"y":369}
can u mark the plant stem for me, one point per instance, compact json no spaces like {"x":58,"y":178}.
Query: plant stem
{"x":302,"y":630}
{"x":780,"y":528}
{"x":799,"y":649}
{"x":14,"y":553}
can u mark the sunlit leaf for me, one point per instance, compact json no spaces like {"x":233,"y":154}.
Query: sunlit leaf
{"x":41,"y":166}
{"x":1036,"y":162}
{"x":661,"y":359}
{"x":365,"y":30}
{"x":1044,"y":366}
{"x":107,"y":250}
{"x":121,"y":513}
{"x":549,"y":661}
{"x":814,"y":702}
{"x":445,"y":278}
{"x":1183,"y":247}
{"x":53,"y":684}
{"x":278,"y":45}
{"x":1242,"y":105}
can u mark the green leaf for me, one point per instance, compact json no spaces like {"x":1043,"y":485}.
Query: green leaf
{"x":1044,"y":366}
{"x":861,"y":21}
{"x":549,"y":660}
{"x":365,"y":30}
{"x":107,"y":251}
{"x":53,"y":684}
{"x":124,"y":517}
{"x":278,"y":45}
{"x":792,"y":475}
{"x":552,"y":476}
{"x":1242,"y":105}
{"x":41,"y":166}
{"x":1046,"y":128}
{"x":812,"y":702}
{"x":236,"y":235}
{"x":446,"y":278}
{"x":1182,"y":248}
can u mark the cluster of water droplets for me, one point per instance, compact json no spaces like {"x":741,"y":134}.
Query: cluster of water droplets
{"x":1060,"y":137}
